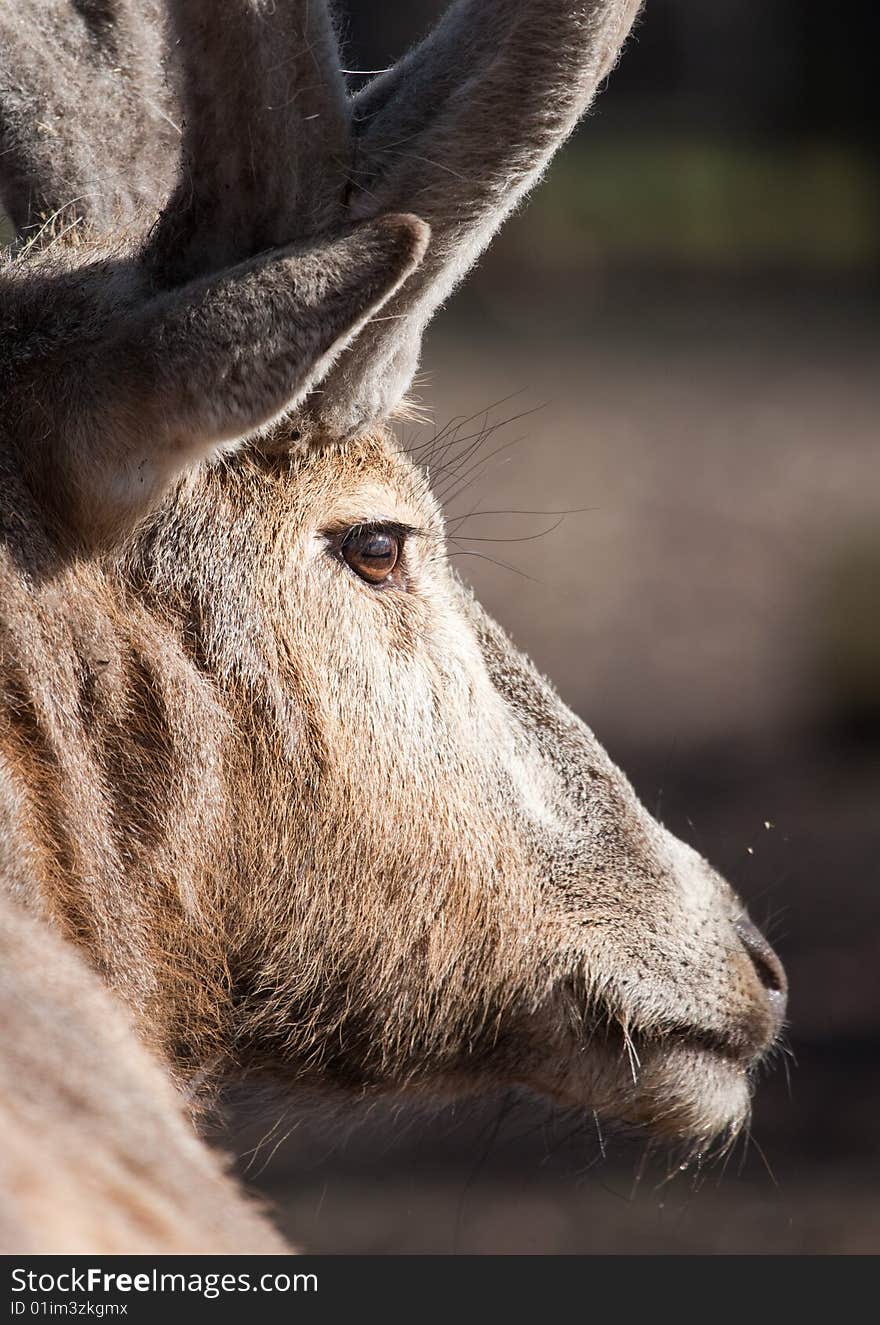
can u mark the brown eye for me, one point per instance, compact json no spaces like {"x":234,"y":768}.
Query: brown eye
{"x":373,"y":554}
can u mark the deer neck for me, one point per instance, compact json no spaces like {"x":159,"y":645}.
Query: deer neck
{"x":134,"y":785}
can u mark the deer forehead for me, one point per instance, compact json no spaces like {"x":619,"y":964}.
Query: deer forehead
{"x":366,"y":480}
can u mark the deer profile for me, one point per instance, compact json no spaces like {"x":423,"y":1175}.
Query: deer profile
{"x":278,"y":799}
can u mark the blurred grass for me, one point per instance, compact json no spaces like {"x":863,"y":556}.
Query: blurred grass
{"x":699,"y":203}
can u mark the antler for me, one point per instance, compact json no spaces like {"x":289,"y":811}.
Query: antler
{"x":85,"y":128}
{"x":266,"y":144}
{"x":458,"y":132}
{"x":252,"y":282}
{"x":257,"y":291}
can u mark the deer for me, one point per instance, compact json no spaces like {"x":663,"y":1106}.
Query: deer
{"x":280,"y":802}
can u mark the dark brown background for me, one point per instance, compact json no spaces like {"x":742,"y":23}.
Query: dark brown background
{"x":689,"y":308}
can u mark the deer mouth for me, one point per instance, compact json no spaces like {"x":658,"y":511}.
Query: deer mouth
{"x":685,"y":1086}
{"x":691,"y":1083}
{"x":691,"y":1094}
{"x":742,"y":1051}
{"x":688,"y":1088}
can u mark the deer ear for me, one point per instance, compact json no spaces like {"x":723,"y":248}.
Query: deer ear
{"x":203,"y":367}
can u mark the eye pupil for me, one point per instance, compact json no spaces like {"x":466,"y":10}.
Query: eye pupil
{"x":372,"y":554}
{"x":378,"y":547}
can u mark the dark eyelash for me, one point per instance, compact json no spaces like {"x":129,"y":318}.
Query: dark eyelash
{"x":337,"y":536}
{"x":392,"y":527}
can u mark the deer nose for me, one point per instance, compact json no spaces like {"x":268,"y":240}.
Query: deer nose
{"x":770,"y":970}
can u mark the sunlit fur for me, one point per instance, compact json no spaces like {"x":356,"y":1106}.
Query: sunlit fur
{"x":258,"y":818}
{"x":349,"y":836}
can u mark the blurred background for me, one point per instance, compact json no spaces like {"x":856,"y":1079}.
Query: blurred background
{"x":677,"y":342}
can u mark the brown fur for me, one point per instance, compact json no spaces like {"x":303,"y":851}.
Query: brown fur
{"x":303,"y":828}
{"x":97,"y":1155}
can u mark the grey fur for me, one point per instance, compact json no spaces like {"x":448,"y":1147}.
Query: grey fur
{"x":87,"y":120}
{"x":147,"y":383}
{"x":302,"y":822}
{"x":266,"y":142}
{"x":423,"y":132}
{"x":273,"y":154}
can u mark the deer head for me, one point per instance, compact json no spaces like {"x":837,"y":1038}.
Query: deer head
{"x":339,"y":830}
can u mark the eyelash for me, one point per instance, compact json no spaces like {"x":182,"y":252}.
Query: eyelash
{"x":337,"y":537}
{"x":392,"y":527}
{"x":340,"y":537}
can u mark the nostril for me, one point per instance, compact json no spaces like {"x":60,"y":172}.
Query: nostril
{"x":770,"y":969}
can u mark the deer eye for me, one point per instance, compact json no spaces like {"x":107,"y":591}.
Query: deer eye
{"x":372,"y":551}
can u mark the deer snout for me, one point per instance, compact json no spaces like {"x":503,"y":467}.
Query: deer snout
{"x":768,"y":967}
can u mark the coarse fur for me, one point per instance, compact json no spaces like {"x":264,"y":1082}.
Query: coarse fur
{"x":262,"y":817}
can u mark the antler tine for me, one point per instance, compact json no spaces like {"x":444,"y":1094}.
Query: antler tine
{"x":266,"y":132}
{"x":458,"y":132}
